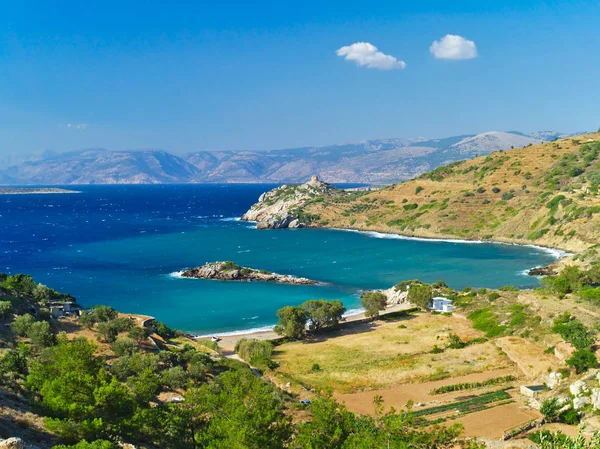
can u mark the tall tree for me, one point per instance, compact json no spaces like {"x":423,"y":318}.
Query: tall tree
{"x":292,"y":322}
{"x":373,"y":302}
{"x":322,"y":313}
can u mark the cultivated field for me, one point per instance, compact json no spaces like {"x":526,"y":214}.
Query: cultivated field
{"x":377,"y":356}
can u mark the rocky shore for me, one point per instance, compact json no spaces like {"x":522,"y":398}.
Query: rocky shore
{"x":230,"y":271}
{"x":283,"y":207}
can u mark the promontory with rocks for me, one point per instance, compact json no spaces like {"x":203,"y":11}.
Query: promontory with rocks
{"x":230,"y":271}
{"x":283,"y":207}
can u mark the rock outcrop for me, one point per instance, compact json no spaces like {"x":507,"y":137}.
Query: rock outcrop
{"x":12,"y":443}
{"x":230,"y":271}
{"x":282,"y":207}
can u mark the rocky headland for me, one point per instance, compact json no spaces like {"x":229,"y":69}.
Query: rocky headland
{"x":283,"y":207}
{"x":230,"y":271}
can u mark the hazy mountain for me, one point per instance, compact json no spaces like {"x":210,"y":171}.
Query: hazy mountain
{"x":104,"y":167}
{"x":377,"y":161}
{"x":11,"y":159}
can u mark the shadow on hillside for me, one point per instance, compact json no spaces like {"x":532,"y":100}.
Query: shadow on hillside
{"x":358,"y":327}
{"x":16,"y":421}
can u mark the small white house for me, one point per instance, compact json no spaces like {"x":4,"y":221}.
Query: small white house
{"x":441,"y":304}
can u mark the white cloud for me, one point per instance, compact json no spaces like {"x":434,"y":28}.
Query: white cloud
{"x":73,"y":125}
{"x":452,"y":46}
{"x":366,"y":55}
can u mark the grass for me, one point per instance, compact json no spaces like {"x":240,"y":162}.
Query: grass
{"x":393,"y":353}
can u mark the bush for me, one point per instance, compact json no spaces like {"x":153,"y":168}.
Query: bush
{"x":493,"y":296}
{"x":418,"y":190}
{"x":98,"y":444}
{"x":125,"y":346}
{"x":550,"y":408}
{"x":573,"y":331}
{"x":5,"y":309}
{"x":485,"y":321}
{"x":508,"y":288}
{"x":570,"y":416}
{"x":507,"y":196}
{"x":122,"y":324}
{"x":582,"y":360}
{"x":104,"y":313}
{"x":138,"y":334}
{"x":411,"y":206}
{"x":254,"y":351}
{"x":175,"y":378}
{"x":315,"y":368}
{"x":454,"y":342}
{"x":496,"y":189}
{"x":41,"y":334}
{"x":21,"y":325}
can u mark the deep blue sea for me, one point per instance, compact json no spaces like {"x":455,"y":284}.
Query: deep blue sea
{"x":120,"y":245}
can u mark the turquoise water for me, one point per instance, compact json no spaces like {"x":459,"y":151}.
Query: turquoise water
{"x":121,"y":246}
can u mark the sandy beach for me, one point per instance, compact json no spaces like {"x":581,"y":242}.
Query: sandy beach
{"x":227,"y":343}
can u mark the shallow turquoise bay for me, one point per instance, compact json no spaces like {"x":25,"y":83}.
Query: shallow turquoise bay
{"x":134,"y":273}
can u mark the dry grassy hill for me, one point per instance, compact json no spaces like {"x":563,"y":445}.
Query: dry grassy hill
{"x":545,"y":194}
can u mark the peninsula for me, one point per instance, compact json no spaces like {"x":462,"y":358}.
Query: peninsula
{"x":33,"y":190}
{"x":230,"y":271}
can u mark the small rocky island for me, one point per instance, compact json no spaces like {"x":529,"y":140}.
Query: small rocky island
{"x":230,"y":271}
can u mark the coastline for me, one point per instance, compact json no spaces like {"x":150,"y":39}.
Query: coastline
{"x":35,"y":191}
{"x":266,"y":332}
{"x":228,"y":340}
{"x":556,"y":252}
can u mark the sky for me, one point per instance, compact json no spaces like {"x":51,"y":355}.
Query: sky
{"x":256,"y":75}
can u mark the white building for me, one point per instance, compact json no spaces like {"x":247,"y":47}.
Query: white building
{"x":441,"y":304}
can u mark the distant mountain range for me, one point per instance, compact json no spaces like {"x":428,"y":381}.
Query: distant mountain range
{"x":379,"y":161}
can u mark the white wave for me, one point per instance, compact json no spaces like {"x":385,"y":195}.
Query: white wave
{"x":353,"y":312}
{"x":554,"y":252}
{"x":176,"y":275}
{"x":231,"y":219}
{"x":238,"y":332}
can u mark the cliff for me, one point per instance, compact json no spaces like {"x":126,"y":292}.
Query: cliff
{"x":230,"y":271}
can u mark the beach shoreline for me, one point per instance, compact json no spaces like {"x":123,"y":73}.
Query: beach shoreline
{"x":228,"y":342}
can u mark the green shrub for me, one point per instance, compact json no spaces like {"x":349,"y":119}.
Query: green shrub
{"x":411,"y":206}
{"x":485,"y":321}
{"x":493,"y":296}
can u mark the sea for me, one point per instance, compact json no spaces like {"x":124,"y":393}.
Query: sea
{"x":124,"y":245}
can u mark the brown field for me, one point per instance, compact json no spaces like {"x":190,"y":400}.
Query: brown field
{"x":376,"y":356}
{"x":398,"y":396}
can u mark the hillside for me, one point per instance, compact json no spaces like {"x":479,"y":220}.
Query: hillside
{"x":545,"y":194}
{"x":379,"y":161}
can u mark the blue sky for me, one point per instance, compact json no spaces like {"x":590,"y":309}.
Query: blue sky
{"x":187,"y":76}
